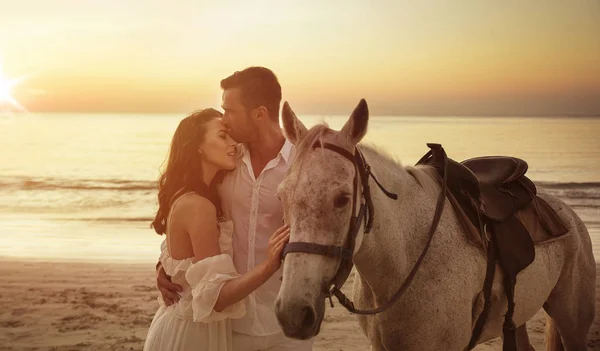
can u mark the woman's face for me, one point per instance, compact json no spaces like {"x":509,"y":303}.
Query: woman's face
{"x":218,"y":148}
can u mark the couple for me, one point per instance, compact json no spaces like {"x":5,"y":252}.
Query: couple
{"x":218,"y":272}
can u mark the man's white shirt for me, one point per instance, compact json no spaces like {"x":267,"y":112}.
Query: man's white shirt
{"x":257,"y":213}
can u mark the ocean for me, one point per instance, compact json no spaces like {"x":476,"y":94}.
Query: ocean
{"x":82,"y":187}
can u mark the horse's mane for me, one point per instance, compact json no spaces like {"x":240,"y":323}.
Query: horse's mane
{"x":310,"y":138}
{"x":426,"y":176}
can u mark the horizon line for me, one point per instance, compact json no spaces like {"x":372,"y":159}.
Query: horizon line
{"x":491,"y":115}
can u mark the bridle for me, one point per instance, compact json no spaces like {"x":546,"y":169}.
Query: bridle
{"x":365,"y":213}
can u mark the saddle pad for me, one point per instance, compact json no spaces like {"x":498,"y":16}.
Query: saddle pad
{"x":548,"y":229}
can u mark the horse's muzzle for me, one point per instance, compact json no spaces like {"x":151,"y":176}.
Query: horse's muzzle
{"x":299,"y":319}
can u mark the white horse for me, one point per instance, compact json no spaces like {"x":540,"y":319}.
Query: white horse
{"x":439,"y":309}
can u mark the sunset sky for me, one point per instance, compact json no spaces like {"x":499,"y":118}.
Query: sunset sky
{"x":430,"y":57}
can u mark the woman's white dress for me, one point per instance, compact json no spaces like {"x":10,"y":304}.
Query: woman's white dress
{"x":191,"y":323}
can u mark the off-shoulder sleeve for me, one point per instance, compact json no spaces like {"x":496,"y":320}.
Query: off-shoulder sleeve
{"x":206,"y":279}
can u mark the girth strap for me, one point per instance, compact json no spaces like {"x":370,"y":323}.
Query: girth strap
{"x":487,"y":297}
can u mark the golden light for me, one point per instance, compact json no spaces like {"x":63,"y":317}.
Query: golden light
{"x":6,"y":86}
{"x":5,"y":90}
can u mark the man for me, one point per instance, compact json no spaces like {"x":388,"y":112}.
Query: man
{"x":251,"y":101}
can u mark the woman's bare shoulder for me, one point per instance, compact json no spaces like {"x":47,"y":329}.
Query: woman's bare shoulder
{"x":193,"y":203}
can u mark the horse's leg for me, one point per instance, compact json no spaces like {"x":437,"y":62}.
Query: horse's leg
{"x":573,"y":316}
{"x":553,"y":341}
{"x":523,"y":343}
{"x":522,"y":337}
{"x":571,"y":305}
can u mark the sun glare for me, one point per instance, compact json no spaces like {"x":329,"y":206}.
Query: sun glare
{"x":6,"y":86}
{"x":5,"y":90}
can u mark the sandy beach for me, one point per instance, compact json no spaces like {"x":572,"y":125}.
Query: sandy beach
{"x":88,"y":306}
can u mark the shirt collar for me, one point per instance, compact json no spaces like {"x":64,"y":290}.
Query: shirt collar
{"x":285,"y":152}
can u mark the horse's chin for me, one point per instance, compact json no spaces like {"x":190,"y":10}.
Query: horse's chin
{"x":304,"y":333}
{"x":301,"y":329}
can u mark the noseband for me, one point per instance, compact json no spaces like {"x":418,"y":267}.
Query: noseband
{"x":365,"y":213}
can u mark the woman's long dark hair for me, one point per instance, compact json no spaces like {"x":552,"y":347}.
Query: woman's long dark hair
{"x":184,"y":168}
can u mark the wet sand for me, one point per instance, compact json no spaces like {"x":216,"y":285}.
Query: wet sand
{"x":90,"y":306}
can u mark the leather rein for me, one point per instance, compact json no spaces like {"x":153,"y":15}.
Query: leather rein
{"x":365,"y":213}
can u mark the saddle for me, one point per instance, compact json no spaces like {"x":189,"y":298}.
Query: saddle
{"x":491,"y":192}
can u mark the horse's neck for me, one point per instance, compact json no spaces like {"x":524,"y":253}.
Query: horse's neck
{"x":400,"y":227}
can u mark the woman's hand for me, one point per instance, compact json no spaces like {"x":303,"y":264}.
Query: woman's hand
{"x":276,"y":245}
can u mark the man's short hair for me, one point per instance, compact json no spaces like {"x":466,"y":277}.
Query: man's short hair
{"x":258,"y":87}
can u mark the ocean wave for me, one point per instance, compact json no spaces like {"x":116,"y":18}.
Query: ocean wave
{"x":120,"y":201}
{"x":109,"y":219}
{"x":568,"y":185}
{"x":28,"y":183}
{"x":572,"y":190}
{"x":33,"y":184}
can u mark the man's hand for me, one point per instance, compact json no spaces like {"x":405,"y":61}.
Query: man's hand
{"x":168,"y":290}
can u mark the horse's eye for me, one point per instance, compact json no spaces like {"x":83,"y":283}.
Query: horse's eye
{"x":341,"y":200}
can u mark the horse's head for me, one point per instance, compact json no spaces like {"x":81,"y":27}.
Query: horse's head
{"x":319,"y":195}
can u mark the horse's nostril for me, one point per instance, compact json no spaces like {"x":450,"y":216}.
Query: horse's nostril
{"x":309,"y":317}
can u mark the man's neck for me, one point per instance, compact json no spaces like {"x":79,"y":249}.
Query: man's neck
{"x":265,"y":148}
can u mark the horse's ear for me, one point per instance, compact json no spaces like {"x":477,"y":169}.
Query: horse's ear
{"x":292,"y":126}
{"x":356,"y":127}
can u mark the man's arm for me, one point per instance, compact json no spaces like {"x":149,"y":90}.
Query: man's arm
{"x":168,"y":290}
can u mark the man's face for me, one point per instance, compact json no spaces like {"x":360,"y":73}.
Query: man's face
{"x":235,"y":118}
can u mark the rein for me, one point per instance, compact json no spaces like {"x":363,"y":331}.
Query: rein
{"x":345,"y":253}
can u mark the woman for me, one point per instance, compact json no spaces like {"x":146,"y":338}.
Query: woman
{"x":197,"y":251}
